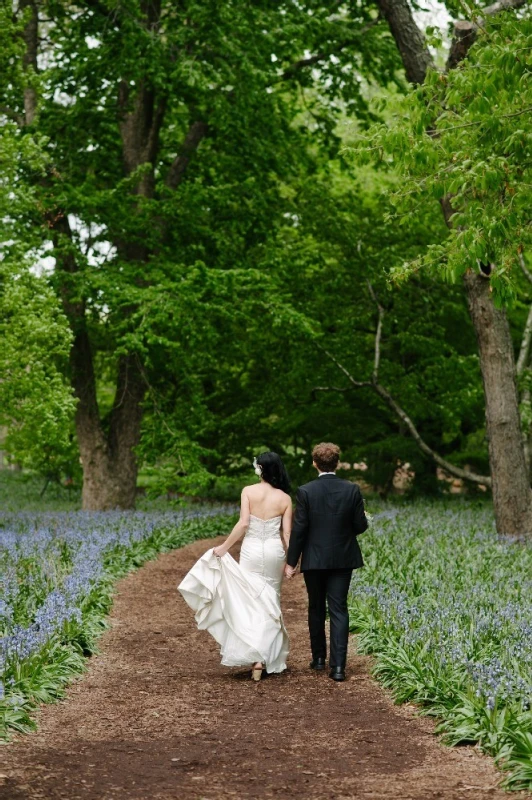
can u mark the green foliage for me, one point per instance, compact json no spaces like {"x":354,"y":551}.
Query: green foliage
{"x":36,"y":404}
{"x":168,"y":271}
{"x":226,"y":285}
{"x":319,"y":264}
{"x":466,"y":136}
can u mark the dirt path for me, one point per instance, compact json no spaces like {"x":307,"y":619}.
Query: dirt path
{"x":157,"y":717}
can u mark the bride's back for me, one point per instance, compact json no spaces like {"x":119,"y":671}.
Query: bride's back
{"x":265,"y":501}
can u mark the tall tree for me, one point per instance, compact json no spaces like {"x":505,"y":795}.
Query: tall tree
{"x":36,"y":403}
{"x":167,"y":130}
{"x":510,"y":477}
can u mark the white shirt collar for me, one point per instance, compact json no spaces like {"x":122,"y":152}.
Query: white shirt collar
{"x":326,"y":473}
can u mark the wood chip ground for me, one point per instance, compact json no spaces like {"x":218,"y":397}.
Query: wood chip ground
{"x":157,"y":718}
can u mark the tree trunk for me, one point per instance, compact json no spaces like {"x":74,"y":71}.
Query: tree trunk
{"x":29,"y":61}
{"x":107,"y":454}
{"x":512,"y":496}
{"x":107,"y":483}
{"x":108,"y":458}
{"x":109,"y":462}
{"x":409,"y":39}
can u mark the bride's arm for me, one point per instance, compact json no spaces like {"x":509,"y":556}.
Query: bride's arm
{"x":287,"y":525}
{"x":239,"y":529}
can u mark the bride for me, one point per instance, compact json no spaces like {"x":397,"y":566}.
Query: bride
{"x":240,"y":603}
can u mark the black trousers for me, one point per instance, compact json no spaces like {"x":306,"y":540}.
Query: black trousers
{"x":329,"y":586}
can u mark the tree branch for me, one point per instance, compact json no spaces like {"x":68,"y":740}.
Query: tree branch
{"x":294,"y":68}
{"x":524,"y":350}
{"x":384,"y":394}
{"x":524,"y":268}
{"x":334,"y":389}
{"x":196,"y":133}
{"x":526,"y":340}
{"x":83,"y":378}
{"x":29,"y":60}
{"x":140,"y":121}
{"x":504,"y":5}
{"x":465,"y":31}
{"x":479,"y":122}
{"x":409,"y":39}
{"x":458,"y":472}
{"x":10,"y":114}
{"x":378,"y":334}
{"x":340,"y":366}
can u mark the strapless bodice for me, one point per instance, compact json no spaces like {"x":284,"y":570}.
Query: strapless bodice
{"x":263,"y":528}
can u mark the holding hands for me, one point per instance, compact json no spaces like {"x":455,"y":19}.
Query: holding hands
{"x":289,"y":571}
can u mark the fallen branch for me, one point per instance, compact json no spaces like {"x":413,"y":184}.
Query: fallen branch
{"x":384,"y":394}
{"x":334,"y":388}
{"x":340,"y":366}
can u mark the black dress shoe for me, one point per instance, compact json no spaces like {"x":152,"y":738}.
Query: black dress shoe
{"x":317,"y":663}
{"x":337,"y":673}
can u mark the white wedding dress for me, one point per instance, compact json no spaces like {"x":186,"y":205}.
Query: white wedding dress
{"x":240,"y":603}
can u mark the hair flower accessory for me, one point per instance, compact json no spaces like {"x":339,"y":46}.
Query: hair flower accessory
{"x":257,"y":468}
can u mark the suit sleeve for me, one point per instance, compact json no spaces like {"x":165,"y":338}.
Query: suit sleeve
{"x":299,"y":529}
{"x":360,"y":522}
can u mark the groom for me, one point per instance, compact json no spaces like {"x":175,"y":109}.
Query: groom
{"x":329,"y":516}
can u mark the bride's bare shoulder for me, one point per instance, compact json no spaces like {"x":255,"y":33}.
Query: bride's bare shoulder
{"x":251,"y":489}
{"x":286,"y":497}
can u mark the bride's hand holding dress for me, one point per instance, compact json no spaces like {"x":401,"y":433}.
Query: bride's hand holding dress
{"x":240,"y":528}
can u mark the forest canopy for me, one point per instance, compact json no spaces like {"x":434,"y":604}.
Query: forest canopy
{"x":223,"y":225}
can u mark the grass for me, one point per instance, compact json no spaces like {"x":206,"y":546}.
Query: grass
{"x":24,"y":491}
{"x":445,"y":607}
{"x":20,"y":490}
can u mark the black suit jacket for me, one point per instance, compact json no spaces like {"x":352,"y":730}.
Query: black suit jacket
{"x":329,"y":516}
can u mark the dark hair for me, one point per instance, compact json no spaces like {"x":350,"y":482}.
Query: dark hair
{"x":274,"y":471}
{"x":326,"y":456}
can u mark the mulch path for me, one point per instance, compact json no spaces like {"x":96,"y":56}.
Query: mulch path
{"x":157,"y":717}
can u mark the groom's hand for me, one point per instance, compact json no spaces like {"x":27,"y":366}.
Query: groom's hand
{"x":289,"y":571}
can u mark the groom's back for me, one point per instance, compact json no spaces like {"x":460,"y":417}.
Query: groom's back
{"x":330,"y":495}
{"x":331,"y":512}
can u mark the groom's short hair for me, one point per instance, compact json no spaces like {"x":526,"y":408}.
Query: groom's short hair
{"x":326,"y":456}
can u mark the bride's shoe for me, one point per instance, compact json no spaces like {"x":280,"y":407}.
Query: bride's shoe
{"x":256,"y":672}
